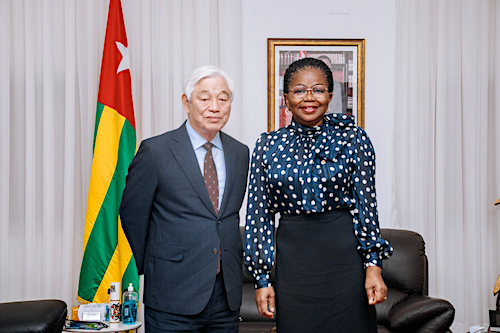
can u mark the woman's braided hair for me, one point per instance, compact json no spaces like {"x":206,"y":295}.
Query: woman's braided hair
{"x":303,"y":63}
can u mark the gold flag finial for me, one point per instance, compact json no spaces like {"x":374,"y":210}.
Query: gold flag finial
{"x":496,"y":289}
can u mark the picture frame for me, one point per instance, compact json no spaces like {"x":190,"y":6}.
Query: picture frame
{"x":346,"y":59}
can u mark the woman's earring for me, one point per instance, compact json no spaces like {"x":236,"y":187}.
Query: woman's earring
{"x":287,"y":110}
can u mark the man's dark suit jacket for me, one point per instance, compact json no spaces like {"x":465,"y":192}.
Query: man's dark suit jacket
{"x":172,"y":228}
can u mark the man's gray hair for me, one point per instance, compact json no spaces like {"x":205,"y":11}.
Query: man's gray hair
{"x":204,"y":72}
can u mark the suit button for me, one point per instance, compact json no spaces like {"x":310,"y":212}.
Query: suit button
{"x":219,"y":222}
{"x":214,"y":251}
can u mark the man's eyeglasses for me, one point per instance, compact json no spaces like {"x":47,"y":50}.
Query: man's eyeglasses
{"x":319,"y":92}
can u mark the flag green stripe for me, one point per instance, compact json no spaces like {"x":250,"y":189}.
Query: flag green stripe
{"x":130,"y":275}
{"x":104,"y":236}
{"x":98,"y":114}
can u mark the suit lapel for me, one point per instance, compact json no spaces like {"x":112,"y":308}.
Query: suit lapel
{"x":186,"y":157}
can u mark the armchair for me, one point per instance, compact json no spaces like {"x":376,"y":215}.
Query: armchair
{"x":41,"y":316}
{"x":408,"y":307}
{"x":250,"y":319}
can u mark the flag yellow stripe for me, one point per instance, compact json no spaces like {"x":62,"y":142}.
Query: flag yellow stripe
{"x":103,"y":165}
{"x":108,"y":277}
{"x":117,"y":265}
{"x":124,"y":247}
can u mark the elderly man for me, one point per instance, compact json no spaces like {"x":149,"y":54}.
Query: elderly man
{"x":180,"y":213}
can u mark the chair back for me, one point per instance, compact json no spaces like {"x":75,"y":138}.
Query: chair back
{"x":406,"y":270}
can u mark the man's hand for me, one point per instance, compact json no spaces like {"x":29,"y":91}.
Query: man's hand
{"x":376,"y":290}
{"x":264,"y":298}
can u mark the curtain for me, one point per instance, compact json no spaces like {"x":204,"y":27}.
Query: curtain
{"x":50,"y":62}
{"x":446,"y":146}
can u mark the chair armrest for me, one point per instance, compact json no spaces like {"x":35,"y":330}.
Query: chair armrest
{"x":421,"y":314}
{"x":33,"y":316}
{"x":248,"y":309}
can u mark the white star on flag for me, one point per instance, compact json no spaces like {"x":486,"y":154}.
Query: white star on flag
{"x":125,"y":63}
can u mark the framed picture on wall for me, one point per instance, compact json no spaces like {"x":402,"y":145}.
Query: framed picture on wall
{"x":346,"y":59}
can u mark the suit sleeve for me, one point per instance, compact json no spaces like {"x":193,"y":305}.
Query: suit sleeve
{"x":137,"y":202}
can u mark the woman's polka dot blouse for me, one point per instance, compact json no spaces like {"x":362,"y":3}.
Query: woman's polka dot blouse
{"x":300,"y":170}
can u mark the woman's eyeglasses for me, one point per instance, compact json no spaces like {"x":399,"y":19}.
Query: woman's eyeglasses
{"x":319,"y":92}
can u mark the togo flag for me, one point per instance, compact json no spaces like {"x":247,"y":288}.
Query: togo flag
{"x":107,"y":256}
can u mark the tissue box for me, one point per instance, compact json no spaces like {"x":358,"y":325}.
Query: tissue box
{"x":92,"y":312}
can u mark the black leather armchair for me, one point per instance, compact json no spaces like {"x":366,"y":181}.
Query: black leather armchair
{"x":408,"y":307}
{"x":41,"y":316}
{"x":250,"y":319}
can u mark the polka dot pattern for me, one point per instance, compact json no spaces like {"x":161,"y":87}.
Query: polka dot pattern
{"x":301,"y":170}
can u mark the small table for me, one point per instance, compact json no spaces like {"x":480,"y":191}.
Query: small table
{"x":119,"y":328}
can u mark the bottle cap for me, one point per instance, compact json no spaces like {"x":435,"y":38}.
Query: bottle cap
{"x":130,"y":287}
{"x":114,"y":294}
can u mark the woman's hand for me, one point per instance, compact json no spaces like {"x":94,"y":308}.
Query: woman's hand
{"x":264,"y":298}
{"x":376,"y":290}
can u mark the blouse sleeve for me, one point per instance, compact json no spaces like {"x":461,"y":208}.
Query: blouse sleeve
{"x":366,"y":225}
{"x":259,"y":229}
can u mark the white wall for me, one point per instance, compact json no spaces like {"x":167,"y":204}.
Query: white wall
{"x":374,"y":21}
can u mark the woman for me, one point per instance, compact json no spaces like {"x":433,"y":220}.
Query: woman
{"x":318,"y":174}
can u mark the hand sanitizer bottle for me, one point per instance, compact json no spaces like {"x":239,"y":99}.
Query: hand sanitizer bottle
{"x":129,"y":305}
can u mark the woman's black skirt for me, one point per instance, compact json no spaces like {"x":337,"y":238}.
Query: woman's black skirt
{"x":320,"y":279}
